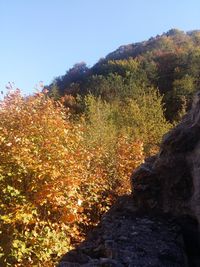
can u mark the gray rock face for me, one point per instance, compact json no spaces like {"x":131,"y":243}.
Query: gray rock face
{"x":170,"y":181}
{"x":126,"y":238}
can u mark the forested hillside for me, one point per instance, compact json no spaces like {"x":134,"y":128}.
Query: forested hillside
{"x":169,"y":62}
{"x":68,"y":152}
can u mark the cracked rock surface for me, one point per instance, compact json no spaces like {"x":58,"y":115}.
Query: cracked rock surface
{"x":126,"y":238}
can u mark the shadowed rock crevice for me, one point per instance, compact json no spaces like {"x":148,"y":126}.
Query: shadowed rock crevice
{"x":158,"y":225}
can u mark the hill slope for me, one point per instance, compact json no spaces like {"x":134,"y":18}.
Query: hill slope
{"x":169,"y":62}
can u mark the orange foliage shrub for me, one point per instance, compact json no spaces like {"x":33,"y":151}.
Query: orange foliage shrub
{"x":39,"y":177}
{"x":130,"y":154}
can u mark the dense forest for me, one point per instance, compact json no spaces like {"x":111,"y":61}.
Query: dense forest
{"x":68,"y":152}
{"x":167,"y":62}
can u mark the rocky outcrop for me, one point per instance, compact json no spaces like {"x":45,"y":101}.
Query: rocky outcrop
{"x":170,"y":181}
{"x":127,"y":238}
{"x":158,"y":225}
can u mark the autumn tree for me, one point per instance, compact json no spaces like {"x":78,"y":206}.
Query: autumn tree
{"x":38,"y":177}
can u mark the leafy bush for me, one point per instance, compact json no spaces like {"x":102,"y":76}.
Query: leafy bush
{"x":38,"y":150}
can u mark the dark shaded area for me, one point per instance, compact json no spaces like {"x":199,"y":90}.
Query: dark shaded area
{"x":189,"y":230}
{"x":129,"y":238}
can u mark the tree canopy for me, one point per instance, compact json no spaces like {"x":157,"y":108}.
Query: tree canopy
{"x":169,"y":62}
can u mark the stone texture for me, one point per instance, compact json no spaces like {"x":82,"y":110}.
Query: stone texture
{"x":127,"y":238}
{"x":170,"y":181}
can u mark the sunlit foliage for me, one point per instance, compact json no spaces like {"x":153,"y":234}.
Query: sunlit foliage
{"x":169,"y":62}
{"x":38,"y":150}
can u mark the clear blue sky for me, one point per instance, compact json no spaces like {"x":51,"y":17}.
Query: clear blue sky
{"x":41,"y":39}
